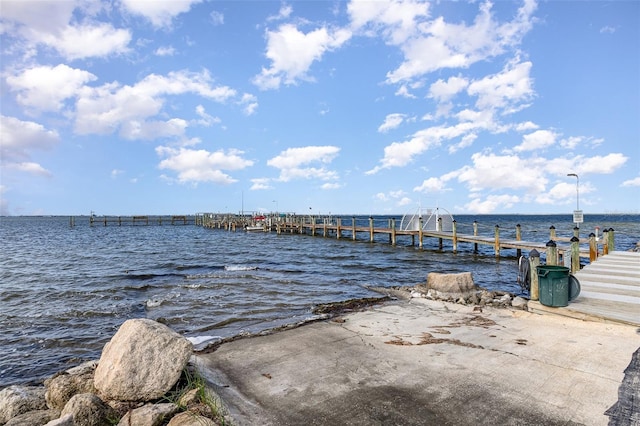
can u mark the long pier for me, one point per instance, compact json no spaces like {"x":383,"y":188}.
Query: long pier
{"x":137,"y":220}
{"x":558,"y":249}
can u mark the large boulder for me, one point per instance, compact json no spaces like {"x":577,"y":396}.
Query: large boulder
{"x":89,"y":410}
{"x":16,"y":400}
{"x":141,"y":362}
{"x":451,"y":286}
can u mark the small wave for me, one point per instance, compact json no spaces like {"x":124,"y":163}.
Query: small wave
{"x":154,"y":303}
{"x":240,"y":268}
{"x":193,"y":286}
{"x":142,"y":277}
{"x":196,"y":340}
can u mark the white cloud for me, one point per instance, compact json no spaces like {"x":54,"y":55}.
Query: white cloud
{"x":508,"y":90}
{"x":294,"y":163}
{"x":112,"y":107}
{"x":284,"y":12}
{"x":217,"y":18}
{"x":63,"y":26}
{"x":329,"y":186}
{"x":431,"y":185}
{"x":632,"y":182}
{"x":249,"y":103}
{"x":491,"y":203}
{"x":159,"y":13}
{"x":445,"y":90}
{"x":45,"y":88}
{"x":397,"y":20}
{"x":194,"y":166}
{"x":47,"y":17}
{"x":260,"y":183}
{"x":497,"y":172}
{"x":292,"y":53}
{"x":116,"y":172}
{"x":441,"y":45}
{"x":536,"y":141}
{"x":79,"y":42}
{"x":600,"y":164}
{"x":18,"y":138}
{"x":165,"y":51}
{"x":206,"y":119}
{"x":391,"y":121}
{"x":399,"y":154}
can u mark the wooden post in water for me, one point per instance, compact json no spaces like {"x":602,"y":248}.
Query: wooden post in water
{"x":324,"y":227}
{"x":534,"y":262}
{"x":475,"y":234}
{"x":518,"y":238}
{"x":454,"y":239}
{"x":370,"y":229}
{"x":313,"y":226}
{"x":611,"y":243}
{"x":353,"y":226}
{"x":338,"y":225}
{"x":605,"y":241}
{"x":439,"y":230}
{"x":393,"y":232}
{"x":420,"y":232}
{"x":575,"y":254}
{"x":593,"y":247}
{"x":496,"y":242}
{"x":105,"y":221}
{"x":552,"y":253}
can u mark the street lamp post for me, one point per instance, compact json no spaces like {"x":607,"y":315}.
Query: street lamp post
{"x":577,"y":215}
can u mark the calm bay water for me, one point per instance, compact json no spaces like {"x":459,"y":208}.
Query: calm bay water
{"x":65,"y":290}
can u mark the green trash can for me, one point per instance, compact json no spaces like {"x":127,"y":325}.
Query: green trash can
{"x":553,"y":285}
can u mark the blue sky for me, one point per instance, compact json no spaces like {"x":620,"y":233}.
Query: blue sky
{"x":345,"y":107}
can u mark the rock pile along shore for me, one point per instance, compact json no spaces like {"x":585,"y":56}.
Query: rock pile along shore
{"x":142,"y":378}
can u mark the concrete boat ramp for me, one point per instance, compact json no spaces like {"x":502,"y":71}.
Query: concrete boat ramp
{"x":610,"y":291}
{"x":427,"y":362}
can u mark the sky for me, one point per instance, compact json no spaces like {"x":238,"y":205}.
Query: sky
{"x":131,"y":107}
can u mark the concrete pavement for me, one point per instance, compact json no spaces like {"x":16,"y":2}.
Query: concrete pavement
{"x":427,"y":362}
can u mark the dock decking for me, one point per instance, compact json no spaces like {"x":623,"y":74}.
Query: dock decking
{"x":610,"y":291}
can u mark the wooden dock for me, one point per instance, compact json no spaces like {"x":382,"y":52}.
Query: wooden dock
{"x":558,"y":250}
{"x":610,"y":291}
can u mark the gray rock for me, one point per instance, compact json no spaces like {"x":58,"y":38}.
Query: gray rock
{"x":143,"y":360}
{"x":62,"y":387}
{"x":34,"y":418}
{"x":89,"y":410}
{"x":455,"y":284}
{"x":519,"y":303}
{"x":190,"y":419}
{"x":16,"y":400}
{"x":66,"y":420}
{"x":149,"y":415}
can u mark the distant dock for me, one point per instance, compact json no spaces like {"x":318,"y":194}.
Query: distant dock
{"x":143,"y":220}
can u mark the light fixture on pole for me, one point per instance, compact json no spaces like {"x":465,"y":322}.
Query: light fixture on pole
{"x":577,"y":214}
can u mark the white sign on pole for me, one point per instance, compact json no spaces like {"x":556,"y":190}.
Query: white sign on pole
{"x":578,"y":216}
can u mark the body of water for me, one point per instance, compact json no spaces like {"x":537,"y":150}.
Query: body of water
{"x":64,"y":290}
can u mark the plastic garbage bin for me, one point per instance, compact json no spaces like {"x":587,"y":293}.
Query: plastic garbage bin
{"x":553,"y":285}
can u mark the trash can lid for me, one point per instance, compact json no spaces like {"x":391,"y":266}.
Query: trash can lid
{"x":574,"y":287}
